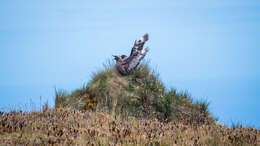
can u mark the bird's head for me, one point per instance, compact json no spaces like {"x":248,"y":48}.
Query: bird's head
{"x":123,"y":56}
{"x":116,"y":57}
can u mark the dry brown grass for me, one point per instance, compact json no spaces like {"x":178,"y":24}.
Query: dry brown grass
{"x":67,"y":127}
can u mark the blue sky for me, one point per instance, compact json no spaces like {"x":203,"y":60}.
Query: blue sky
{"x":208,"y":48}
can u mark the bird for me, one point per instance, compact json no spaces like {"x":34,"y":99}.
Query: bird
{"x":125,"y":64}
{"x":121,"y":68}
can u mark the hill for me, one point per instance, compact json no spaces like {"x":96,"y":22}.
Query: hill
{"x":124,"y":110}
{"x":140,"y":94}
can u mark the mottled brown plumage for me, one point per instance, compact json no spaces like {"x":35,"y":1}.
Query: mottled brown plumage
{"x":125,"y":64}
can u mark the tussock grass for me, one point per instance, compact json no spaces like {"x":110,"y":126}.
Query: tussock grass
{"x":140,"y":94}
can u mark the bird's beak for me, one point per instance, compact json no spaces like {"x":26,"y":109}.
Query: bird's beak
{"x":114,"y":56}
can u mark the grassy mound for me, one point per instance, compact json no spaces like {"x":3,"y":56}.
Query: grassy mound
{"x":131,"y":110}
{"x":140,"y":94}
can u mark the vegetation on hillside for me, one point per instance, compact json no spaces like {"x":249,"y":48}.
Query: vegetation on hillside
{"x":140,"y":94}
{"x":61,"y":126}
{"x":122,"y":110}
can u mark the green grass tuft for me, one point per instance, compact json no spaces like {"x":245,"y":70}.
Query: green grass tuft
{"x":140,"y":94}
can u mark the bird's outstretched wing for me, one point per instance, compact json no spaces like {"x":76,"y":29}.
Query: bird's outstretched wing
{"x":136,"y":59}
{"x":137,"y":53}
{"x":139,"y":44}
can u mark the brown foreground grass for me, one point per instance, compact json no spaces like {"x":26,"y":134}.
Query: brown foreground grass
{"x":61,"y":126}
